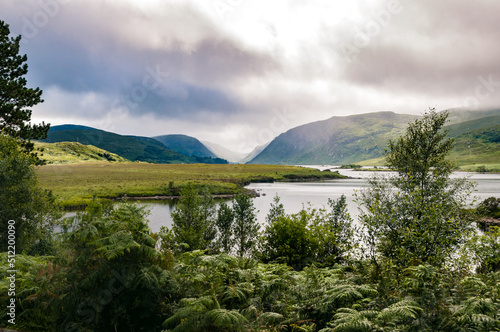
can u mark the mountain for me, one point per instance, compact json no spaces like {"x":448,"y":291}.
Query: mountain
{"x":255,"y":152}
{"x":338,"y":140}
{"x":134,"y":148}
{"x":222,"y":152}
{"x":73,"y":152}
{"x":459,"y":115}
{"x":356,"y":138}
{"x":477,"y":142}
{"x":461,"y":128}
{"x":184,"y":144}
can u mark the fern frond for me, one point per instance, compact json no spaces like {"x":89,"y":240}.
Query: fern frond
{"x":346,"y":294}
{"x":476,"y":310}
{"x":268,"y":318}
{"x":400,"y":311}
{"x":347,"y":319}
{"x":225,"y":319}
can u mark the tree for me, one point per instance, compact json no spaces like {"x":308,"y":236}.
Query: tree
{"x":335,"y":233}
{"x":246,"y":228}
{"x":193,"y":218}
{"x":418,"y":215}
{"x":288,"y":239}
{"x":310,"y":236}
{"x":111,"y":275}
{"x":15,"y":97}
{"x":276,"y":211}
{"x":224,"y":223}
{"x":31,"y":209}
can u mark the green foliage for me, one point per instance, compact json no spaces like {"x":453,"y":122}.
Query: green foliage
{"x":417,"y":216}
{"x":490,"y":207}
{"x":205,"y":314}
{"x":21,"y":199}
{"x":337,"y":233}
{"x":423,"y":147}
{"x":15,"y":97}
{"x":287,"y":239}
{"x":485,"y":250}
{"x":310,"y":236}
{"x":246,"y":228}
{"x":276,"y":210}
{"x":224,"y":223}
{"x":33,"y":277}
{"x":194,"y":220}
{"x":113,"y":280}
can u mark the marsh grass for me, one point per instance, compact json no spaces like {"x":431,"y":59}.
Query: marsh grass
{"x":76,"y":184}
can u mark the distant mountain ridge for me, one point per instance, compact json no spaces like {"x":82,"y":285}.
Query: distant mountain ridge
{"x":255,"y":152}
{"x":340,"y":139}
{"x":222,"y":152}
{"x":184,"y":144}
{"x":134,"y":148}
{"x":355,"y":138}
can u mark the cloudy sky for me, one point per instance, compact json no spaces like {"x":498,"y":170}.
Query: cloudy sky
{"x":239,"y":72}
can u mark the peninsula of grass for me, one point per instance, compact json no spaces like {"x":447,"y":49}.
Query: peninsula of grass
{"x":76,"y":184}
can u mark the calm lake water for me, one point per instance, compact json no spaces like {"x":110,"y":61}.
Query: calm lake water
{"x":294,"y":195}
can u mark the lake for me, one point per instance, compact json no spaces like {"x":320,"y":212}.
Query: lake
{"x":294,"y":195}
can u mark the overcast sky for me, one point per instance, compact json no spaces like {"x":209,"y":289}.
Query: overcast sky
{"x":239,"y":72}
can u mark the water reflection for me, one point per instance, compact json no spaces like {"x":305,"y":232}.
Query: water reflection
{"x":295,"y":195}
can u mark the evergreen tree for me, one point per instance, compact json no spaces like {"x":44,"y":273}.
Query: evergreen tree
{"x":15,"y":97}
{"x":246,"y":228}
{"x":225,"y":225}
{"x":194,"y":220}
{"x":276,"y":211}
{"x":21,"y":199}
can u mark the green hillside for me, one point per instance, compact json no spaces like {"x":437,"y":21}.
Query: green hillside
{"x":134,"y":148}
{"x":477,"y":142}
{"x":478,"y":147}
{"x":457,"y":129}
{"x":338,"y":140}
{"x":184,"y":144}
{"x":362,"y":139}
{"x":72,"y":152}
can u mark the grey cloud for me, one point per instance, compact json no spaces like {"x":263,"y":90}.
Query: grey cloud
{"x":176,"y":99}
{"x":82,"y":51}
{"x":433,"y":48}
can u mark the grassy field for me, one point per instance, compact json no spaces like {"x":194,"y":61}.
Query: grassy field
{"x":73,"y":152}
{"x":76,"y":184}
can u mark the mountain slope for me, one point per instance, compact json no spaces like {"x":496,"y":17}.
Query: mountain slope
{"x":72,"y":152}
{"x":457,"y":129}
{"x":134,"y":148}
{"x":255,"y":152}
{"x":337,"y":140}
{"x":222,"y":152}
{"x":477,"y":147}
{"x":184,"y":144}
